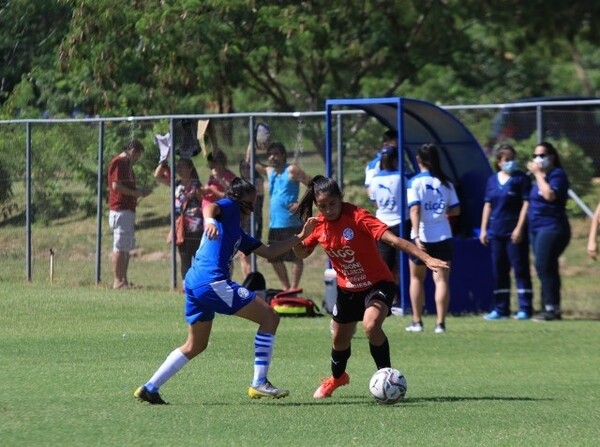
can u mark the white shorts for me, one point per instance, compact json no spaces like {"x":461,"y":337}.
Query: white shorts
{"x":123,"y":226}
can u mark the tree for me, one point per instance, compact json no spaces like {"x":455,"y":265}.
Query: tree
{"x":30,"y":31}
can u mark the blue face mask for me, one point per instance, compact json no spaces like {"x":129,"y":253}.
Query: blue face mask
{"x":509,"y":166}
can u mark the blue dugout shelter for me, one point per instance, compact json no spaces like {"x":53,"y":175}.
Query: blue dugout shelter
{"x":463,"y":160}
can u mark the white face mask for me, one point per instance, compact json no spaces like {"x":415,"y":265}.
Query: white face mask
{"x":544,"y":162}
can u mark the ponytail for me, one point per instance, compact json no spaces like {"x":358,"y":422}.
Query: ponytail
{"x":318,"y":185}
{"x":430,"y":158}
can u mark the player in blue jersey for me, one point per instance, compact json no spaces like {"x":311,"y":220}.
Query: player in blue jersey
{"x":431,"y":200}
{"x":549,"y":228}
{"x":504,"y":229}
{"x":209,"y":290}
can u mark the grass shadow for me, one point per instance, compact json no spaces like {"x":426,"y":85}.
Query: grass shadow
{"x":364,"y":400}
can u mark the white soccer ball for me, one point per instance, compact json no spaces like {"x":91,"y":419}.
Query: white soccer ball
{"x":388,"y":386}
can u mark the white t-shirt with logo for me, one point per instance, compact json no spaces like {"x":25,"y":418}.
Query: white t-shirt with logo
{"x":434,"y":199}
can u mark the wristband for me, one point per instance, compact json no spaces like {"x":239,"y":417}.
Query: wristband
{"x":210,"y":220}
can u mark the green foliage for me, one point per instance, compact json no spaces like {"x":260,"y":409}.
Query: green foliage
{"x":117,"y":58}
{"x":6,"y":190}
{"x":30,"y":31}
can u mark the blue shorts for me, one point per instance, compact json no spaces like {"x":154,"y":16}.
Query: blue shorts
{"x":223,"y":297}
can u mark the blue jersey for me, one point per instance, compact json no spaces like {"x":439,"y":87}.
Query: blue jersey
{"x":543,"y":213}
{"x":506,"y":201}
{"x":214,"y":257}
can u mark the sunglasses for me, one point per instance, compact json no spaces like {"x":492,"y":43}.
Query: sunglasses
{"x":540,"y":155}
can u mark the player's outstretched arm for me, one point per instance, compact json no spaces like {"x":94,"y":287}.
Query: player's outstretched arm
{"x":408,"y":247}
{"x":279,"y":248}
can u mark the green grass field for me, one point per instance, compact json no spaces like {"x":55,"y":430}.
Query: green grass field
{"x":71,"y":358}
{"x":72,"y":353}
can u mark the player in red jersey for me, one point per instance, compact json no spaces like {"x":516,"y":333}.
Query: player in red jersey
{"x":365,"y":284}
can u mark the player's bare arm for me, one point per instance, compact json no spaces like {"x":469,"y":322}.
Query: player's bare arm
{"x":260,"y":167}
{"x":299,"y":175}
{"x":279,"y":248}
{"x":210,"y":213}
{"x":402,"y":244}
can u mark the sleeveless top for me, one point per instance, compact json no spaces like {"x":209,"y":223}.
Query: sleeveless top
{"x":283,"y":192}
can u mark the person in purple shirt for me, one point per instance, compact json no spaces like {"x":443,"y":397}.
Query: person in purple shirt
{"x":504,"y":230}
{"x":549,"y":228}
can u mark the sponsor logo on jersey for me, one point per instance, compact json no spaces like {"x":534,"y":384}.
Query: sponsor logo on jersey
{"x":344,"y":254}
{"x":435,"y":206}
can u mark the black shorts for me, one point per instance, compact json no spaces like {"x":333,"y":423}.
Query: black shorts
{"x":443,"y":250}
{"x":282,"y":234}
{"x":351,"y":306}
{"x":388,"y":253}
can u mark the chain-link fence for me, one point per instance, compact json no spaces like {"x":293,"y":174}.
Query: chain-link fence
{"x":53,"y":210}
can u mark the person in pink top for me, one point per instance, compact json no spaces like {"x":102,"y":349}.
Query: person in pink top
{"x":365,"y":285}
{"x":219,"y":180}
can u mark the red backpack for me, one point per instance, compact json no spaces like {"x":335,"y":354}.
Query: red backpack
{"x":288,"y":304}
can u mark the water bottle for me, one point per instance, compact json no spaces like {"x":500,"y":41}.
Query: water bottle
{"x":330,"y":279}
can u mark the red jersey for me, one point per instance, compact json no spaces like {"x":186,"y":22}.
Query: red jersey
{"x":351,"y":244}
{"x":120,"y":170}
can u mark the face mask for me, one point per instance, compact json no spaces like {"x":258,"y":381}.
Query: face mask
{"x":543,"y":162}
{"x":509,"y":166}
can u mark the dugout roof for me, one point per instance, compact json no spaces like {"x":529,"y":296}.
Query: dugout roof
{"x":418,"y":122}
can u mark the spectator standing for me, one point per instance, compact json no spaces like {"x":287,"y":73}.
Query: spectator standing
{"x":123,"y":196}
{"x":504,"y":230}
{"x":220,"y":177}
{"x":188,"y":201}
{"x":209,"y":290}
{"x":431,"y":199}
{"x":365,"y":286}
{"x":549,"y":228}
{"x":284,"y":181}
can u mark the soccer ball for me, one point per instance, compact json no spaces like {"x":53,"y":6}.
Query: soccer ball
{"x":388,"y":386}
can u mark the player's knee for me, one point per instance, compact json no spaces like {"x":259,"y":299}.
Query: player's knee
{"x":372,"y":327}
{"x":270,"y":321}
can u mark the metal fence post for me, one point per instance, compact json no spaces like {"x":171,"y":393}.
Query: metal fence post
{"x":99,"y":209}
{"x":28,"y":274}
{"x":173,"y":218}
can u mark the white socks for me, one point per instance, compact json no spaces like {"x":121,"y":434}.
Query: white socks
{"x":174,"y":362}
